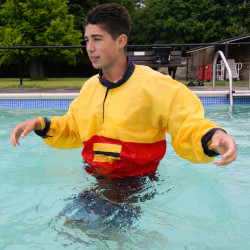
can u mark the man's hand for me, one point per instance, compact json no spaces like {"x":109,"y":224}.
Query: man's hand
{"x":225,"y":146}
{"x":23,"y":129}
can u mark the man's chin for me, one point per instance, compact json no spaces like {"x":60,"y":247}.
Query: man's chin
{"x":96,"y":66}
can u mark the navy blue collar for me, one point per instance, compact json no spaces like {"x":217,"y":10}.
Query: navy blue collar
{"x":128,"y":72}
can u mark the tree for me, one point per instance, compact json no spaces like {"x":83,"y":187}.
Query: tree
{"x":80,"y":8}
{"x":236,"y":15}
{"x":140,"y":3}
{"x":180,"y":21}
{"x":128,"y":4}
{"x":34,"y":23}
{"x":162,"y":22}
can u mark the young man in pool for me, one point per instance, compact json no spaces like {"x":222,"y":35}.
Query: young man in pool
{"x":121,"y":115}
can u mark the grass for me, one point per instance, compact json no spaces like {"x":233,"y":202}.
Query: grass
{"x":50,"y":83}
{"x":56,"y":83}
{"x":219,"y":83}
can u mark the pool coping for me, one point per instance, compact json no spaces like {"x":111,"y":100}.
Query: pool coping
{"x":40,"y":95}
{"x":72,"y":93}
{"x":68,"y":95}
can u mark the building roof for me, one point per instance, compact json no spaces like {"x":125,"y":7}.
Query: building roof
{"x":222,"y":42}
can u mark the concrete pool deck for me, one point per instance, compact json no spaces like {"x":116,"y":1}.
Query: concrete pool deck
{"x":69,"y":93}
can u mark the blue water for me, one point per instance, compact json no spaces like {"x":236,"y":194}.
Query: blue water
{"x":185,"y":206}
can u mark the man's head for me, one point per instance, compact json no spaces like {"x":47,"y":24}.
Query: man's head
{"x":113,"y":18}
{"x":106,"y":34}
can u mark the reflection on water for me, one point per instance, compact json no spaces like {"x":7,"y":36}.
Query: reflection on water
{"x":112,"y":203}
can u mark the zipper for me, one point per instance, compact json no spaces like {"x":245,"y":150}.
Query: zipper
{"x":108,"y":88}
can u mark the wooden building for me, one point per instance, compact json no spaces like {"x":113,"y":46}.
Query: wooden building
{"x":232,"y":50}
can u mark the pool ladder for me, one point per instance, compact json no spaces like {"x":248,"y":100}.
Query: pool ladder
{"x":219,"y":52}
{"x":232,"y":93}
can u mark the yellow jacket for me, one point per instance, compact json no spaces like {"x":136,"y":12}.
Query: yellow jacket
{"x":122,"y":126}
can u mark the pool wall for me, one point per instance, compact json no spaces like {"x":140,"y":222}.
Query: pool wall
{"x":37,"y":100}
{"x":63,"y":100}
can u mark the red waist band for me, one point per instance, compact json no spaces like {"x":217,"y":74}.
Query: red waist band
{"x":116,"y":159}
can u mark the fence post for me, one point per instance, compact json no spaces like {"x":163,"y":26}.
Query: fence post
{"x":20,"y":67}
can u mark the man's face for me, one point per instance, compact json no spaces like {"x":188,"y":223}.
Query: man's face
{"x":102,"y":49}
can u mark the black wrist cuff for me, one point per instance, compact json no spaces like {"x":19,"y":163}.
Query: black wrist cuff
{"x":206,"y":138}
{"x":43,"y":132}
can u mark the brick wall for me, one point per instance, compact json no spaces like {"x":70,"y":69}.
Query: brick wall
{"x":180,"y":72}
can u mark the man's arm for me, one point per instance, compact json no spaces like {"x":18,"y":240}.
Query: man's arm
{"x":23,"y":129}
{"x":58,"y":132}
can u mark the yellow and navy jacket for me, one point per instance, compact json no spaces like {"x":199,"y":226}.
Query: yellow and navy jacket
{"x":122,"y":125}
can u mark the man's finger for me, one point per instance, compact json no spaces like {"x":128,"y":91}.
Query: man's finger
{"x":14,"y":140}
{"x":26,"y":131}
{"x":14,"y":136}
{"x":226,"y":158}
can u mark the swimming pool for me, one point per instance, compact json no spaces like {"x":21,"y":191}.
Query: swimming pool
{"x":185,"y":206}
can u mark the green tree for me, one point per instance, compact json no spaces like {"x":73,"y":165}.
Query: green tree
{"x":37,"y":23}
{"x":80,"y":8}
{"x":162,"y":22}
{"x":128,"y":4}
{"x":236,"y":15}
{"x":140,"y":3}
{"x":180,"y":21}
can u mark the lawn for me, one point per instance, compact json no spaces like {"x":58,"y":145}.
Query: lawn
{"x":50,"y":83}
{"x":55,"y":83}
{"x":220,"y":83}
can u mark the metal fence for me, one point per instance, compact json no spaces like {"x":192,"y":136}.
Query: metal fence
{"x":184,"y":47}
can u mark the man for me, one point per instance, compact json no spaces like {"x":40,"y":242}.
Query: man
{"x":120,"y":117}
{"x":172,"y":69}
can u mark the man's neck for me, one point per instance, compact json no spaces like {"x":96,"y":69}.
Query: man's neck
{"x":117,"y":72}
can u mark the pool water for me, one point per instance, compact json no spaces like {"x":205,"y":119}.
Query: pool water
{"x":183,"y":206}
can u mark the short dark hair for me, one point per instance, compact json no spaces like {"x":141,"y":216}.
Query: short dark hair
{"x":114,"y":18}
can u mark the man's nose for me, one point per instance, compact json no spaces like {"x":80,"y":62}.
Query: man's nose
{"x":90,"y":46}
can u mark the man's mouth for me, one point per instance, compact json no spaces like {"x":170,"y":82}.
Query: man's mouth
{"x":94,"y":58}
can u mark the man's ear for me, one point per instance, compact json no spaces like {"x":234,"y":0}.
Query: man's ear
{"x":123,"y":39}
